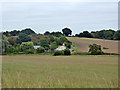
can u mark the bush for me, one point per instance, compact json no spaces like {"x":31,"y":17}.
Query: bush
{"x":27,"y":47}
{"x":95,"y":49}
{"x":105,"y":48}
{"x":47,"y":48}
{"x":67,"y":52}
{"x":53,"y":46}
{"x":57,"y":53}
{"x":44,"y":43}
{"x":68,"y":45}
{"x":40,"y":50}
{"x":10,"y":49}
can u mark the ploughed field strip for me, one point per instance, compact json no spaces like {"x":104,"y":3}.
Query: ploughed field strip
{"x":83,"y":44}
{"x":45,"y":71}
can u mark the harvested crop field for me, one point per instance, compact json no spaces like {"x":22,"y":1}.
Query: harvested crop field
{"x":45,"y":71}
{"x":83,"y":44}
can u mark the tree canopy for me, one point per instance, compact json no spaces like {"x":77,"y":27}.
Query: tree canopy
{"x":102,"y":34}
{"x":24,"y":37}
{"x":67,"y":31}
{"x":26,"y":31}
{"x":95,"y":49}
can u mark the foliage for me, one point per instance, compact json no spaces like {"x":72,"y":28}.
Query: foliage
{"x":40,"y":50}
{"x":24,"y":37}
{"x":57,"y":34}
{"x":47,"y":33}
{"x":117,"y":35}
{"x":57,"y":53}
{"x":47,"y":48}
{"x":67,"y":31}
{"x":67,"y":51}
{"x":75,"y":47}
{"x":85,"y":34}
{"x":18,"y":41}
{"x":27,"y":47}
{"x":28,"y":31}
{"x":53,"y":46}
{"x":95,"y":49}
{"x":12,"y":40}
{"x":68,"y":45}
{"x":3,"y":44}
{"x":11,"y":33}
{"x":63,"y":39}
{"x":57,"y":40}
{"x":36,"y":38}
{"x":52,"y":39}
{"x":12,"y":49}
{"x":105,"y":48}
{"x":102,"y":34}
{"x":44,"y":43}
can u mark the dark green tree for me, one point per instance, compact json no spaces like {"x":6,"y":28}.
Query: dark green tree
{"x":44,"y":43}
{"x":28,"y":31}
{"x":47,"y":33}
{"x":67,"y":31}
{"x":95,"y":49}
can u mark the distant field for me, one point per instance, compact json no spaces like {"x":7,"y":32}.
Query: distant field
{"x":39,"y":71}
{"x":83,"y":44}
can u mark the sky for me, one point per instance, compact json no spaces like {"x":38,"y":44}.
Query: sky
{"x":54,"y":16}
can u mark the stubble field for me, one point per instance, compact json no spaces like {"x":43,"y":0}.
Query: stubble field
{"x":83,"y":44}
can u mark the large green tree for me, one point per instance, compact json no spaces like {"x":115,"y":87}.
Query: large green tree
{"x":95,"y":49}
{"x":67,"y":31}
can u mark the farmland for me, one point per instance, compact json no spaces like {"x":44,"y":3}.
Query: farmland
{"x":44,"y":71}
{"x":83,"y":44}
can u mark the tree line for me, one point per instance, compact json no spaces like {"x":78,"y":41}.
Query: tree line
{"x":103,"y":34}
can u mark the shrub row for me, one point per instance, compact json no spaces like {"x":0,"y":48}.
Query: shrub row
{"x":64,"y":52}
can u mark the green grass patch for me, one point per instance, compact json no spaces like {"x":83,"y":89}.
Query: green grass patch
{"x":45,"y":71}
{"x":75,"y":47}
